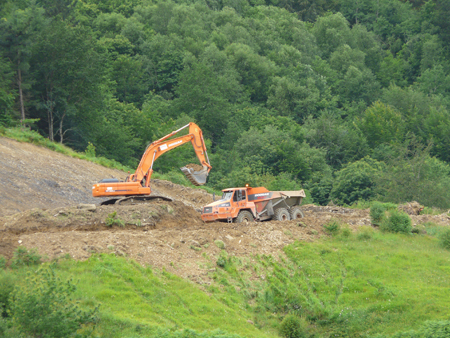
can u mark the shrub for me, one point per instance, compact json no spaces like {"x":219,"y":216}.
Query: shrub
{"x":24,"y":257}
{"x":444,"y":239}
{"x":346,"y":231}
{"x":2,"y":262}
{"x":291,"y":327}
{"x":365,"y":233}
{"x":90,"y":150}
{"x":220,"y":244}
{"x":7,"y":282}
{"x":112,"y":219}
{"x":377,"y":213}
{"x":332,"y":228}
{"x":397,"y":221}
{"x":42,"y":307}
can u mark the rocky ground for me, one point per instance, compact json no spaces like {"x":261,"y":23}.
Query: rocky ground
{"x":47,"y":204}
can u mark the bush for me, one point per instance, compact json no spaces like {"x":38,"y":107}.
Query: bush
{"x":377,"y":213}
{"x":24,"y":257}
{"x":7,"y":282}
{"x":397,"y":221}
{"x":346,"y":232}
{"x":291,"y":327}
{"x":41,"y":307}
{"x":444,"y":239}
{"x":332,"y":228}
{"x":2,"y":262}
{"x":365,"y":233}
{"x":220,"y":244}
{"x":112,"y":219}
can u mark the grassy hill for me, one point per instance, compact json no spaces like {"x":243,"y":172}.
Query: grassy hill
{"x":350,"y":285}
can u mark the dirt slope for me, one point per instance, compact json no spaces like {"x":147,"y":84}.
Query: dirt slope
{"x":43,"y":196}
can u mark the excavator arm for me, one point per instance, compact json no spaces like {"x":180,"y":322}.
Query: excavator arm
{"x":139,"y":182}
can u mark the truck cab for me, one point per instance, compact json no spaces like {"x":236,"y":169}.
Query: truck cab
{"x":228,"y":207}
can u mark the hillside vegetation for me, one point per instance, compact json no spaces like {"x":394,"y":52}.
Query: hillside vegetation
{"x":363,"y":284}
{"x":349,"y":100}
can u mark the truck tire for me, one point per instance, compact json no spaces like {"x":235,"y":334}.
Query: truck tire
{"x":245,"y":217}
{"x":296,"y":212}
{"x":281,"y":214}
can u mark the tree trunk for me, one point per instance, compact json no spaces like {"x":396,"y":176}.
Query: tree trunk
{"x":19,"y":82}
{"x":50,"y":124}
{"x":61,"y":134}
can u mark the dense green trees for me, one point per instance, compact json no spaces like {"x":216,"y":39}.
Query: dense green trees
{"x":288,"y":94}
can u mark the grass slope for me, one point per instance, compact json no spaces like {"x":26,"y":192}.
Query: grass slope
{"x":358,"y":285}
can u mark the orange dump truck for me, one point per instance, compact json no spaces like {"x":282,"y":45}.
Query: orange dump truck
{"x":248,"y":204}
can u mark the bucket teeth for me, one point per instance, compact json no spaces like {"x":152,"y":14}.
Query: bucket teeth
{"x":196,"y":177}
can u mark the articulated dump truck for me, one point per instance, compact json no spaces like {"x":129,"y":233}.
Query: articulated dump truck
{"x":239,"y":205}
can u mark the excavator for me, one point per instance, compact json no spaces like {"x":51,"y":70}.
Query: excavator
{"x":136,"y":187}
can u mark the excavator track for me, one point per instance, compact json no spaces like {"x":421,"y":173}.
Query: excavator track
{"x":131,"y":200}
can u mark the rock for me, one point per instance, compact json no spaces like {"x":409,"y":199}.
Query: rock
{"x":195,"y":243}
{"x":229,"y":237}
{"x":87,"y":207}
{"x":411,"y":208}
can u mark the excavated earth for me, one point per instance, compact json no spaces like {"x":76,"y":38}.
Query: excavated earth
{"x":47,"y":205}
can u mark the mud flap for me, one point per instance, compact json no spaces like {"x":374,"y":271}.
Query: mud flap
{"x":269,"y":208}
{"x":196,"y":177}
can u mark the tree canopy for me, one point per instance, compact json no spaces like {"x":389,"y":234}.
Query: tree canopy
{"x":319,"y":95}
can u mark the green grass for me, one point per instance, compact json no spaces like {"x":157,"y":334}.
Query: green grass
{"x":347,"y":286}
{"x":132,"y":296}
{"x":343,"y":286}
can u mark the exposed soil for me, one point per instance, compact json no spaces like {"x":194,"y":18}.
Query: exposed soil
{"x":47,"y":205}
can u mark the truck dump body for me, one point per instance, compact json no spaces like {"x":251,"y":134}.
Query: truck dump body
{"x":261,"y":203}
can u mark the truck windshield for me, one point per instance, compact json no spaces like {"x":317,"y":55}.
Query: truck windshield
{"x":227,"y":195}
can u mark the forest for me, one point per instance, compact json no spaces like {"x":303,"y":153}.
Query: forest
{"x":349,"y":100}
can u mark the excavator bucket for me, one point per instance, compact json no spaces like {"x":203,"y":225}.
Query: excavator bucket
{"x":195,"y":173}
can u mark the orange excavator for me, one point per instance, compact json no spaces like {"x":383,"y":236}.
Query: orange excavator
{"x":136,"y":187}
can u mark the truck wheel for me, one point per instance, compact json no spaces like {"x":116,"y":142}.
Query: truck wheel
{"x":245,"y":217}
{"x":296,"y":212}
{"x":281,"y":214}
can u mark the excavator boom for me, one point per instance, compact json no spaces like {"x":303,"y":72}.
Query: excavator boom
{"x":138,"y":184}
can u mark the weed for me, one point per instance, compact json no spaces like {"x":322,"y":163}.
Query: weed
{"x":220,"y":244}
{"x":42,"y":306}
{"x":253,"y":245}
{"x":2,"y":262}
{"x":206,"y":245}
{"x":90,"y":150}
{"x":24,"y":257}
{"x":365,"y":233}
{"x":332,"y":228}
{"x":288,"y":233}
{"x":167,"y":208}
{"x":397,"y":221}
{"x":444,"y":239}
{"x":346,"y":232}
{"x":112,"y":219}
{"x":291,"y":327}
{"x":110,"y":247}
{"x":196,"y":248}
